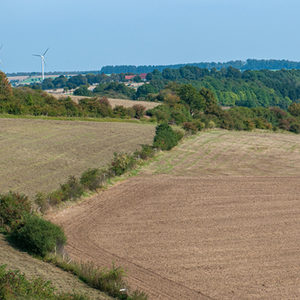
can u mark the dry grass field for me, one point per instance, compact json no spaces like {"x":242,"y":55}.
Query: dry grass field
{"x":38,"y":155}
{"x":63,"y":281}
{"x":215,"y":218}
{"x":233,"y":153}
{"x":112,"y":101}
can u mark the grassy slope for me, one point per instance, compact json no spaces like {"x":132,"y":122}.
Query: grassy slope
{"x":37,"y":155}
{"x":63,"y":281}
{"x":232,"y":153}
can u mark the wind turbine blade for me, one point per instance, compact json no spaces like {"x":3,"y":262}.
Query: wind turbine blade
{"x":36,"y":55}
{"x":45,"y":52}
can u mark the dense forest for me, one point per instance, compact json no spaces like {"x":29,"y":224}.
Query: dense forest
{"x":231,"y":86}
{"x":249,"y":64}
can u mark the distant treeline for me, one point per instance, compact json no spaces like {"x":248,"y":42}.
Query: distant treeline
{"x":249,"y":64}
{"x":231,"y":86}
{"x":183,"y":104}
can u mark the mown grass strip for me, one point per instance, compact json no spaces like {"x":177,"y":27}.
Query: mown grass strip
{"x":85,"y":119}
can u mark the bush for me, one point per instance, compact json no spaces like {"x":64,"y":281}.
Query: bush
{"x":165,"y":137}
{"x":72,"y":189}
{"x":147,"y":151}
{"x":121,"y":163}
{"x":190,"y":127}
{"x":200,"y":125}
{"x":13,"y":209}
{"x":41,"y":201}
{"x":295,"y":127}
{"x":38,"y":236}
{"x":139,"y":110}
{"x":55,"y":197}
{"x":179,"y":134}
{"x":211,"y":124}
{"x":92,"y":179}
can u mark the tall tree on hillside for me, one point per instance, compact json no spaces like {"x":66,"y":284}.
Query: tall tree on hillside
{"x":5,"y":87}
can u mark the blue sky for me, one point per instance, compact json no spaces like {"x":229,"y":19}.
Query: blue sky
{"x":86,"y":35}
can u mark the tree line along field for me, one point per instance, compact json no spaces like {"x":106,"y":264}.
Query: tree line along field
{"x":38,"y":155}
{"x":214,"y":218}
{"x":113,"y":102}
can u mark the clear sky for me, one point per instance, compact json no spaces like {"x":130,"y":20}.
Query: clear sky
{"x":88,"y":34}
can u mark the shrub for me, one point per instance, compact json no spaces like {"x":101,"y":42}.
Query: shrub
{"x":41,"y":201}
{"x":13,"y":209}
{"x":55,"y":197}
{"x":72,"y":189}
{"x":147,"y":151}
{"x":139,"y":110}
{"x":249,"y":125}
{"x":179,"y":134}
{"x":190,"y":127}
{"x":211,"y":124}
{"x":121,"y":163}
{"x":165,"y":137}
{"x":295,"y":127}
{"x":92,"y":179}
{"x":38,"y":236}
{"x":200,"y":125}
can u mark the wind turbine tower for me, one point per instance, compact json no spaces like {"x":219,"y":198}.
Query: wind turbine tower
{"x":42,"y":56}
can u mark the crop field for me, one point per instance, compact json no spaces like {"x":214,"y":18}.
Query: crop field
{"x":32,"y":267}
{"x":113,"y":102}
{"x":38,"y":155}
{"x":215,"y":218}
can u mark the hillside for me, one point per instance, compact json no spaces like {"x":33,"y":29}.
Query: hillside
{"x":214,"y":218}
{"x":38,"y":155}
{"x":31,"y":267}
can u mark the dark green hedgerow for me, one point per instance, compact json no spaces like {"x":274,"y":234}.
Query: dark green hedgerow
{"x":38,"y":236}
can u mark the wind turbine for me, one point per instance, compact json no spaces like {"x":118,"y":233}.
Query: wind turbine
{"x":42,"y":56}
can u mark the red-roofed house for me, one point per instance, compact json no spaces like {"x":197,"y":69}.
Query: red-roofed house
{"x":130,"y":77}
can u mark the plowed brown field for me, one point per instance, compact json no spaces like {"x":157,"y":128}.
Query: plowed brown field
{"x":217,"y":217}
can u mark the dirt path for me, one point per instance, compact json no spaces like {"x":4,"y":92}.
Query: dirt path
{"x":63,"y":281}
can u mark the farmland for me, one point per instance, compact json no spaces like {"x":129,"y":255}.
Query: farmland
{"x":216,"y":217}
{"x":38,"y":155}
{"x":113,"y":102}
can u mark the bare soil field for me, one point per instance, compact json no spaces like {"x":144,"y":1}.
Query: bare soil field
{"x":63,"y":281}
{"x":215,"y":218}
{"x":38,"y":155}
{"x":112,"y":101}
